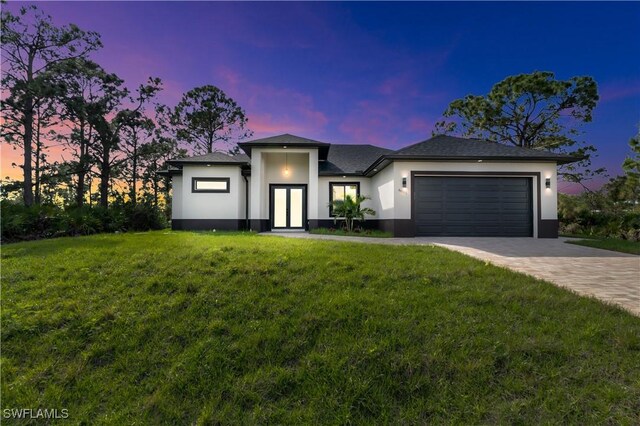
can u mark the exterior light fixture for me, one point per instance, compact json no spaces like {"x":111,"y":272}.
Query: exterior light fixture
{"x":286,"y":165}
{"x":404,"y":181}
{"x":479,"y":161}
{"x":547,"y":183}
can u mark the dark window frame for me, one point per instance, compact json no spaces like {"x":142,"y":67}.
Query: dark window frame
{"x":332,"y":184}
{"x":211,"y":179}
{"x":305,"y":219}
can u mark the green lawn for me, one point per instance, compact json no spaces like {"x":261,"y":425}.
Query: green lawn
{"x":615,"y":244}
{"x":341,"y":232}
{"x":184,"y":328}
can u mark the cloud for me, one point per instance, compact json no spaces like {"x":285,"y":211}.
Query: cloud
{"x":616,"y":91}
{"x":368,"y":122}
{"x":272,"y":109}
{"x":420,"y":125}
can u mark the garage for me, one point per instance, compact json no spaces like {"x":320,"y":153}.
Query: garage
{"x":469,"y":206}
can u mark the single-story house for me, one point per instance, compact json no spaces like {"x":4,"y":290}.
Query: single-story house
{"x":443,"y":186}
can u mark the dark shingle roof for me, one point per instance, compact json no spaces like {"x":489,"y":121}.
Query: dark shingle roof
{"x":337,"y":159}
{"x":287,"y":140}
{"x":350,"y":159}
{"x":213,"y":158}
{"x":284,"y":139}
{"x":170,"y":170}
{"x":451,"y":147}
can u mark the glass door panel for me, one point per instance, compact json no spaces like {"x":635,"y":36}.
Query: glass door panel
{"x":280,"y":207}
{"x":296,"y":200}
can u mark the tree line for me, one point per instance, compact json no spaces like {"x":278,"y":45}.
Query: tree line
{"x":113,"y":139}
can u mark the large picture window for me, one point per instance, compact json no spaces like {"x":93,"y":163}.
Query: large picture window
{"x":339,"y":190}
{"x":202,"y":184}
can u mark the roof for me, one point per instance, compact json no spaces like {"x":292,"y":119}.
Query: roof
{"x":451,"y":147}
{"x":213,"y":158}
{"x":350,"y":159}
{"x":345,"y":159}
{"x":170,"y":171}
{"x":444,"y":147}
{"x":286,"y":140}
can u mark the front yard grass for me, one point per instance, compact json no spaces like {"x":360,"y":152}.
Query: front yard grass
{"x":200,"y":328}
{"x":615,"y":244}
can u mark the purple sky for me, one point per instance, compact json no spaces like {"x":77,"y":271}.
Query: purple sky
{"x":377,"y":73}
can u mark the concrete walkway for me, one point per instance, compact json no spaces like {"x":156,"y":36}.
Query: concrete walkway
{"x":607,"y":275}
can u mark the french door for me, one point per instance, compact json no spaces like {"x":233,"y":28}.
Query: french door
{"x":288,"y":207}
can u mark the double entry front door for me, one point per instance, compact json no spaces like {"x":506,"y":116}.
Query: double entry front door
{"x":288,"y":205}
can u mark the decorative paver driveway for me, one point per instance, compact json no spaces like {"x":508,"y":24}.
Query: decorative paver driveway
{"x":607,"y":275}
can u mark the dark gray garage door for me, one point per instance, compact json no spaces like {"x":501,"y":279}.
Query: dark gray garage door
{"x":473,"y":206}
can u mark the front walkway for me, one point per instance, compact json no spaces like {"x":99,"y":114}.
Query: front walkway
{"x":607,"y":275}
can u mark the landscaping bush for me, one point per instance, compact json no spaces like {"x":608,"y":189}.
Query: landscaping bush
{"x":592,"y":214}
{"x":21,"y":223}
{"x":144,"y":217}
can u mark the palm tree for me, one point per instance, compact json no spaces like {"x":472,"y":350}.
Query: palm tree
{"x":350,"y":209}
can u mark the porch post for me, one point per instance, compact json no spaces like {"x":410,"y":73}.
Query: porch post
{"x":256,"y":197}
{"x":312,"y":203}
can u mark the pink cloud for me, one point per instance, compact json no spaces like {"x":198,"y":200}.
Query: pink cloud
{"x":272,"y":109}
{"x":616,"y":91}
{"x":384,"y":122}
{"x":266,"y":125}
{"x":371,"y":122}
{"x":420,"y":125}
{"x":393,"y":85}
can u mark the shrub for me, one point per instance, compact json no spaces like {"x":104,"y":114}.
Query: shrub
{"x":594,"y":215}
{"x":20,"y":223}
{"x":350,"y":209}
{"x":144,"y":217}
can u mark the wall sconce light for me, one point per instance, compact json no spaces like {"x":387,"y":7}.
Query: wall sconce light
{"x":404,"y":181}
{"x":547,"y":183}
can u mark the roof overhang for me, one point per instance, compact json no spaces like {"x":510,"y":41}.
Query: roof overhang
{"x":179,"y":162}
{"x":323,"y":148}
{"x":385,"y":160}
{"x":169,"y":172}
{"x":337,"y":174}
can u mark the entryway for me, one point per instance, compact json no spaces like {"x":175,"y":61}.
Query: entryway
{"x":288,"y":207}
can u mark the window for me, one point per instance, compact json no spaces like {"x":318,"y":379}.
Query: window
{"x":202,"y":184}
{"x":339,"y":190}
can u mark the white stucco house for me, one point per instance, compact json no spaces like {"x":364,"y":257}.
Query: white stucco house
{"x":444,"y":186}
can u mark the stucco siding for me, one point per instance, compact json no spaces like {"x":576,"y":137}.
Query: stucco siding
{"x":267,"y":167}
{"x":392,"y":202}
{"x":197,"y":205}
{"x":548,"y":197}
{"x":324,"y":191}
{"x":383,"y":192}
{"x":176,"y":198}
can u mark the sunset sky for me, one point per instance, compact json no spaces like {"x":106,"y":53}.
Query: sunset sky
{"x":379,"y":73}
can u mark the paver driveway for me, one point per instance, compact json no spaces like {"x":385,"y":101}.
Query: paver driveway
{"x":607,"y":275}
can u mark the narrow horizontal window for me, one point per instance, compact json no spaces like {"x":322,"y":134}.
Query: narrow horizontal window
{"x":209,"y":184}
